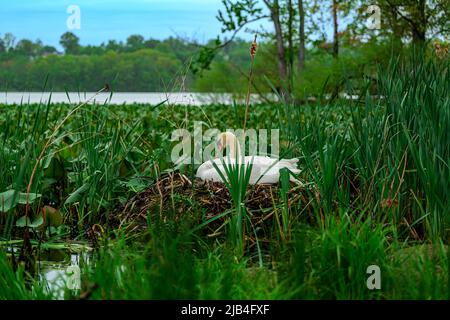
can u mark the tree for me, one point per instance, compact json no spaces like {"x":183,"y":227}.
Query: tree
{"x":407,"y":20}
{"x":151,"y":43}
{"x":135,"y":42}
{"x":419,"y":17}
{"x":334,"y":10}
{"x":288,"y":18}
{"x":70,"y":43}
{"x":274,"y":8}
{"x":113,"y":45}
{"x":8,"y":41}
{"x":240,"y":13}
{"x":302,"y":37}
{"x":46,"y":50}
{"x":290,"y":38}
{"x":26,"y":47}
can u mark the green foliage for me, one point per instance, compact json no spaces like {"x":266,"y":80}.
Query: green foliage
{"x":144,"y":70}
{"x":217,"y":79}
{"x":141,"y":65}
{"x":18,"y":285}
{"x":11,"y":198}
{"x":236,"y":177}
{"x":26,"y":222}
{"x":70,"y":43}
{"x":237,"y":14}
{"x":204,"y":58}
{"x":137,"y":65}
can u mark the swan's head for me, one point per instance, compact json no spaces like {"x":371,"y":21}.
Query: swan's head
{"x":227,"y":139}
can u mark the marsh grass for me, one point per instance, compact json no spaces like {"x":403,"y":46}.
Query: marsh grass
{"x":17,"y":285}
{"x":236,"y":177}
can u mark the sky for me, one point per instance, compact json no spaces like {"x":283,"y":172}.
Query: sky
{"x":102,"y":20}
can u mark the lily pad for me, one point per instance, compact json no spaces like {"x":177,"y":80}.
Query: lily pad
{"x":26,"y":222}
{"x":11,"y":198}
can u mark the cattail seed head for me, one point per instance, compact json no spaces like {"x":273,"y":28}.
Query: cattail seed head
{"x":440,"y":51}
{"x":253,"y":48}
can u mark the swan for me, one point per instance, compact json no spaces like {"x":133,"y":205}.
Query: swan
{"x":265,"y":170}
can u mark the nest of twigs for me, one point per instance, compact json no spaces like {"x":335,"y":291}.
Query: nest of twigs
{"x":176,"y":199}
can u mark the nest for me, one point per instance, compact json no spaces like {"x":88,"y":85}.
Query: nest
{"x":174,"y":198}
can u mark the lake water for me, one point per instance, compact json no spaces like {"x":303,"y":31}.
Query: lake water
{"x":55,"y":271}
{"x":119,"y":98}
{"x":56,"y":264}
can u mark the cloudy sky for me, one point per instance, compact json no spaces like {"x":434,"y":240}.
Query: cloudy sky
{"x":102,"y":20}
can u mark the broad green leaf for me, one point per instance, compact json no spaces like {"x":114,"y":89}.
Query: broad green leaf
{"x":37,"y":222}
{"x":47,"y":160}
{"x":23,"y":222}
{"x":76,"y":195}
{"x":26,"y":222}
{"x":9,"y":199}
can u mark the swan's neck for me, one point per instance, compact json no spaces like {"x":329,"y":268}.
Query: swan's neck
{"x":234,"y":147}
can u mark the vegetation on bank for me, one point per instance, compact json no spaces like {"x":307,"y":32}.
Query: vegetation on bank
{"x":166,"y":66}
{"x":297,"y":57}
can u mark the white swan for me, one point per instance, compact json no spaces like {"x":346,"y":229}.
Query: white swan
{"x":265,"y":170}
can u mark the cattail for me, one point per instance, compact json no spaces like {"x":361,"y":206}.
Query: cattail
{"x":254,"y":48}
{"x":437,"y":48}
{"x":441,"y":52}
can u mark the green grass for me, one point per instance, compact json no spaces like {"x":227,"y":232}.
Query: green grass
{"x":379,"y":180}
{"x":236,"y":177}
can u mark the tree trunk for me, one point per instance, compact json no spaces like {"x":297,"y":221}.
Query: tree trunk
{"x":301,"y":47}
{"x":419,"y":28}
{"x":418,"y":36}
{"x":336,"y":27}
{"x":281,"y":52}
{"x":290,"y":43}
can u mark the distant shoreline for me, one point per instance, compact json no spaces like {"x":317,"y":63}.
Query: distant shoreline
{"x":120,"y":98}
{"x":152,"y":98}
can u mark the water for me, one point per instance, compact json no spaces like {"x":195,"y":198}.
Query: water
{"x":127,"y":98}
{"x":53,"y":270}
{"x":55,"y":266}
{"x":120,"y":98}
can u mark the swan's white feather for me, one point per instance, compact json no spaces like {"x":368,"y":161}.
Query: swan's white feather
{"x":265,"y":170}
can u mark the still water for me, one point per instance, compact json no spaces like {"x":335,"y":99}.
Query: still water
{"x":56,"y":268}
{"x":59,"y":266}
{"x":119,"y":98}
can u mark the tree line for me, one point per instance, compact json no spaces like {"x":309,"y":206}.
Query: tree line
{"x":134,"y":65}
{"x":295,"y":56}
{"x":298,"y":23}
